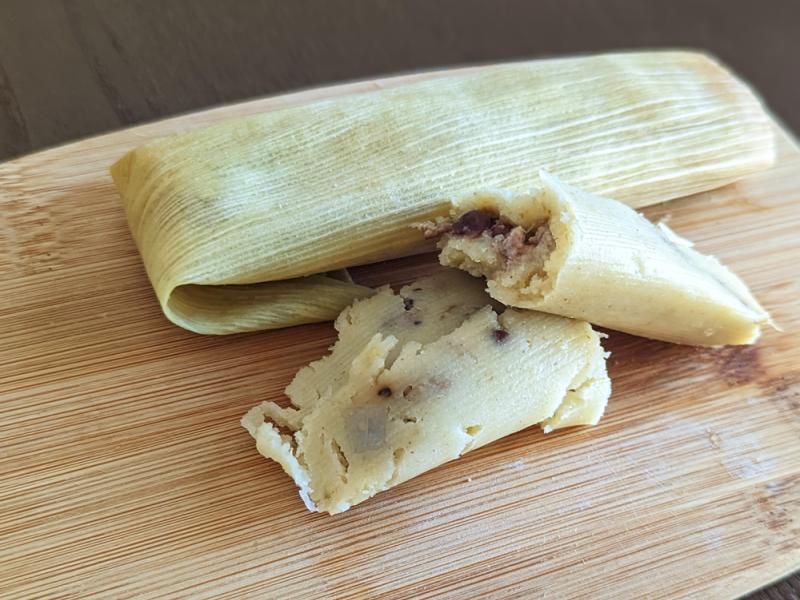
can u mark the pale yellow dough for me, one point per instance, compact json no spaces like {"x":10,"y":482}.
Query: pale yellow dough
{"x":421,"y":312}
{"x":600,"y":261}
{"x":385,"y":407}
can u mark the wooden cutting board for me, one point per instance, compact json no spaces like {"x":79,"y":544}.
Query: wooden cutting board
{"x":125,"y":471}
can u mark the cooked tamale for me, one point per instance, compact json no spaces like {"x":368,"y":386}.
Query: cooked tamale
{"x":568,"y":252}
{"x":421,"y":377}
{"x":232,"y":220}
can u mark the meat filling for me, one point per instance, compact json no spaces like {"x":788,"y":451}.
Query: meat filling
{"x":510,"y":240}
{"x":485,"y":244}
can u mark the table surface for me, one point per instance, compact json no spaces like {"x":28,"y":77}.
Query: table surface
{"x":73,"y":69}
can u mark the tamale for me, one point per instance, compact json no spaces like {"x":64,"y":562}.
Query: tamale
{"x":418,"y":379}
{"x":231,"y":220}
{"x":564,"y":251}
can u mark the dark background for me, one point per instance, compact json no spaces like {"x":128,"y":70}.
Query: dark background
{"x":73,"y":68}
{"x":79,"y":67}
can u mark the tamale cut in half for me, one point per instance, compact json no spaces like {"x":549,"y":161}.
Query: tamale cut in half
{"x":238,"y":223}
{"x":568,"y":252}
{"x":417,"y":379}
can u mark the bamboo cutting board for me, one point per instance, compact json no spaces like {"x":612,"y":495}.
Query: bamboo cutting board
{"x":124,"y":471}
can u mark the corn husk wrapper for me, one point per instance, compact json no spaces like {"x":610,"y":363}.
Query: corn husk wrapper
{"x":231,"y":220}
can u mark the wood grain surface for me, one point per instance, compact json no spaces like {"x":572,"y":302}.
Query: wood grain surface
{"x":125,"y":472}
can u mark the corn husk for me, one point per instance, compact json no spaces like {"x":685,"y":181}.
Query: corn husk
{"x":298,"y":192}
